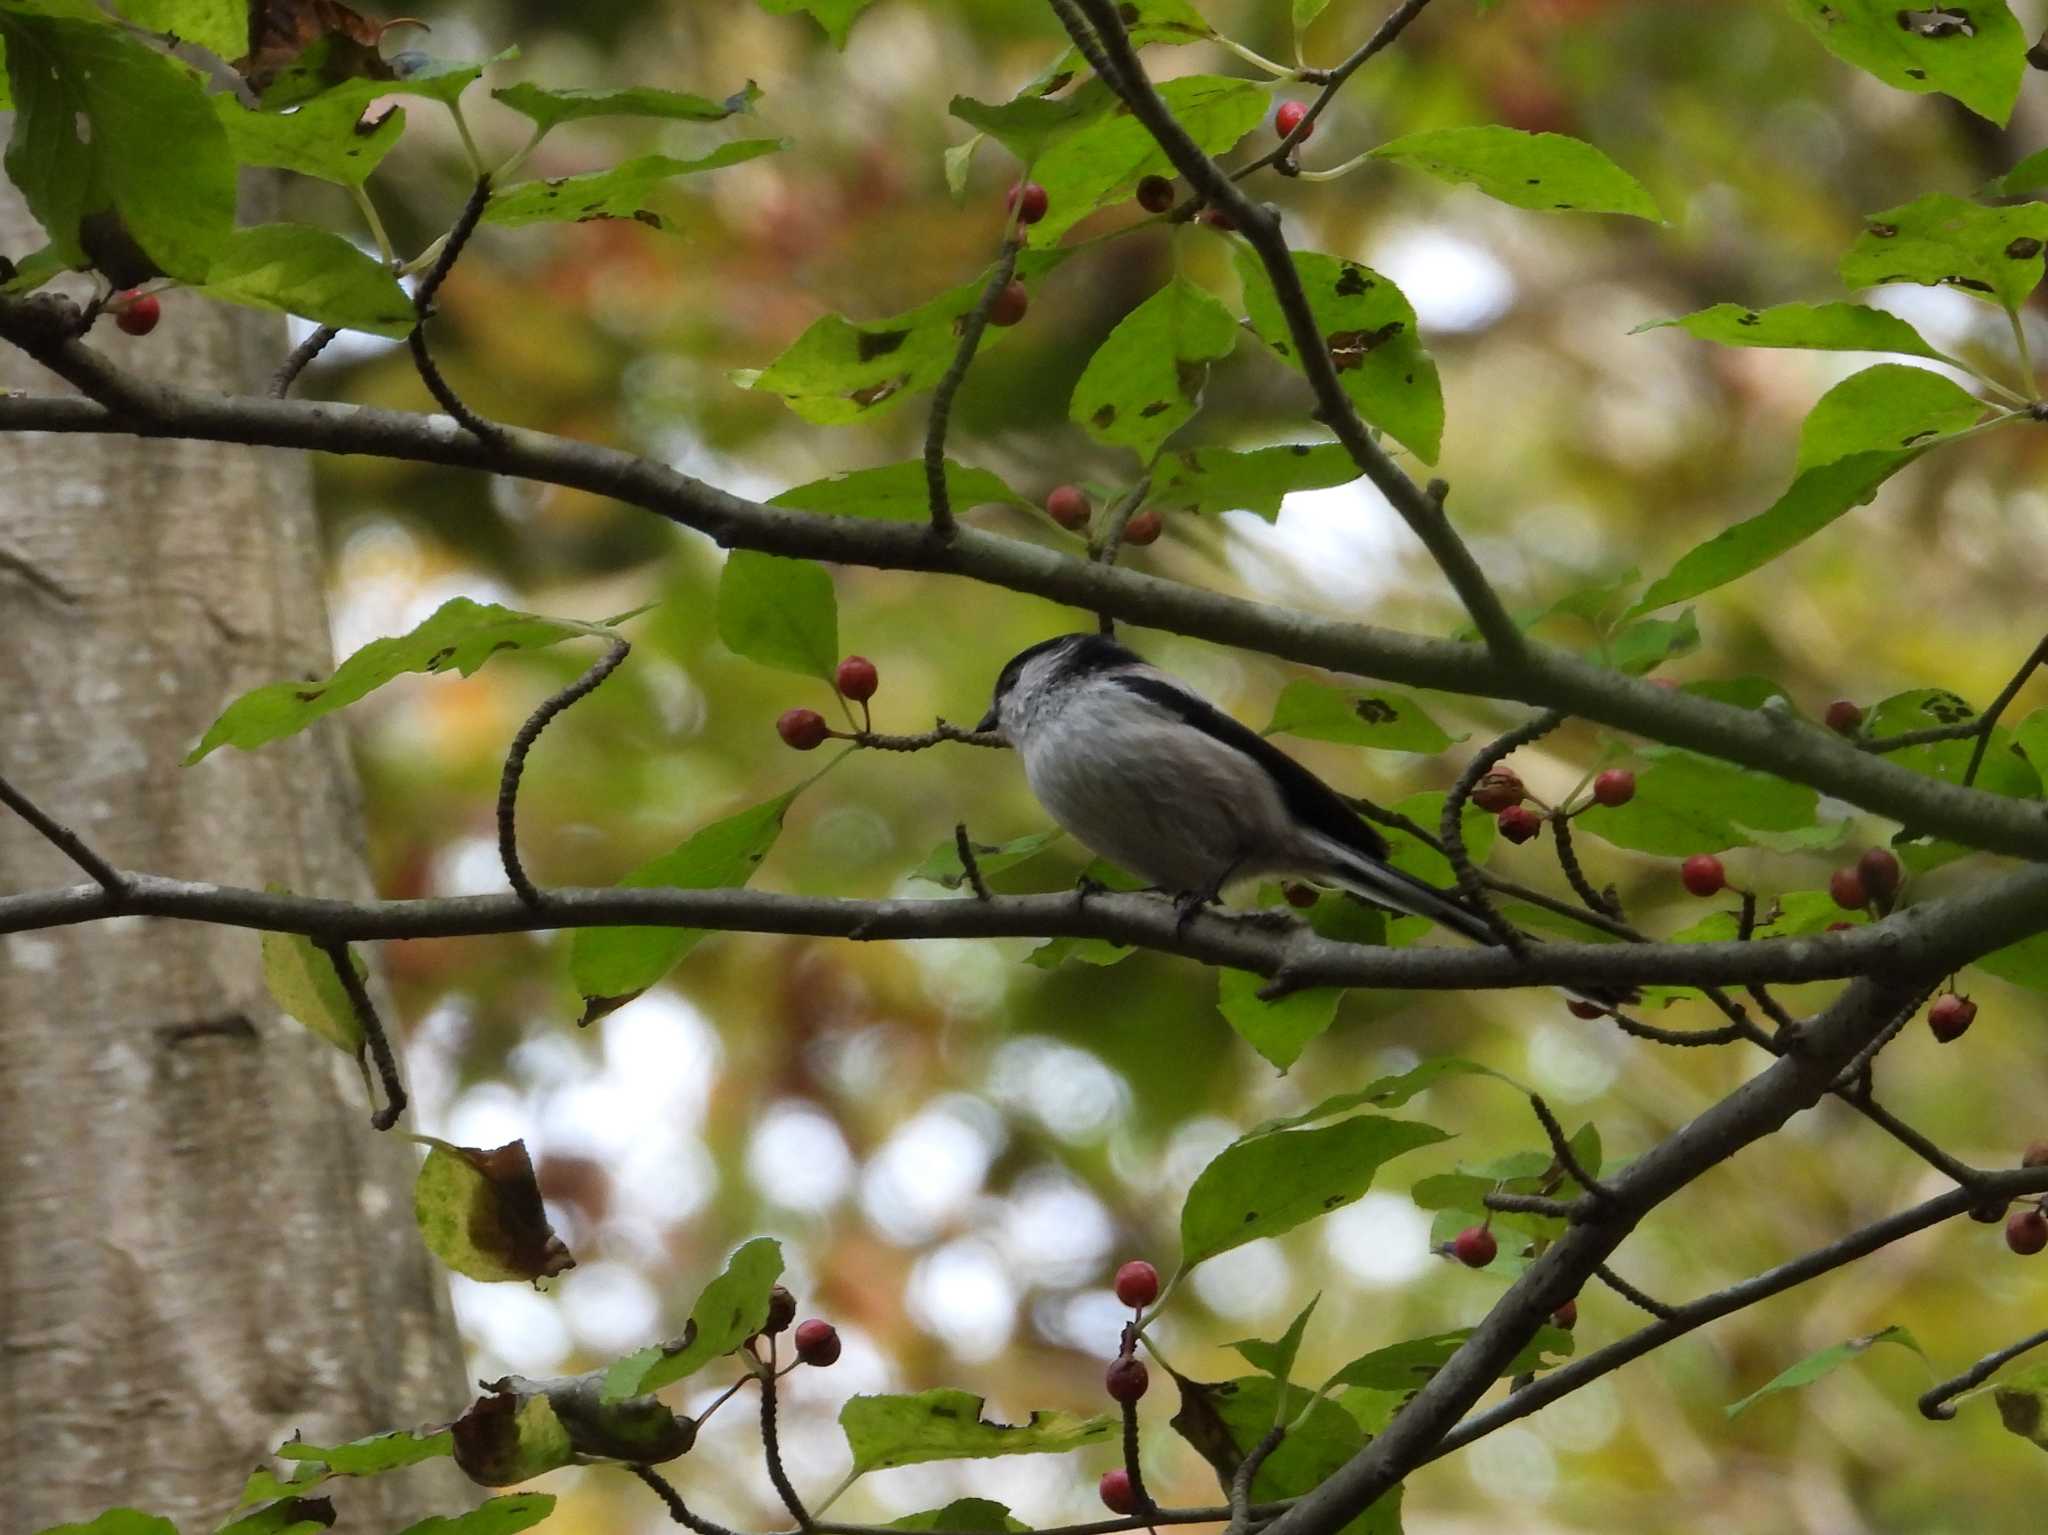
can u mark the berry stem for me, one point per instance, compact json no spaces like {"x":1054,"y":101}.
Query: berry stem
{"x":2019,"y":341}
{"x":370,"y":217}
{"x":476,"y":159}
{"x":1256,"y":59}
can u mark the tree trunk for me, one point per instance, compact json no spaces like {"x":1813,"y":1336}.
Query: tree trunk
{"x":206,"y":1247}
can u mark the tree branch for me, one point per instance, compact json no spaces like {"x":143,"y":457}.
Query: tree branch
{"x":1938,"y":1403}
{"x":973,"y":323}
{"x":515,"y":765}
{"x":62,"y":837}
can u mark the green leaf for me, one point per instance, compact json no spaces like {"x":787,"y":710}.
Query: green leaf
{"x":1816,"y":498}
{"x":115,"y":148}
{"x":1026,"y":124}
{"x":1989,"y":253}
{"x":460,"y":636}
{"x":1389,"y":1092}
{"x":1425,"y":862}
{"x":887,"y":1431}
{"x":619,"y":193}
{"x":2003,"y":771}
{"x":1277,"y":1359}
{"x":35,"y":269}
{"x":972,"y":1516}
{"x":837,"y":371}
{"x":1145,"y":381}
{"x":1686,"y":803}
{"x":942,"y":865}
{"x":895,"y":492}
{"x":1647,"y":644}
{"x":1224,"y":480}
{"x":302,"y":981}
{"x":1264,"y":1185}
{"x":1305,"y":13}
{"x":2022,"y":1402}
{"x":1834,"y":327}
{"x":442,"y":80}
{"x":551,"y":108}
{"x":480,"y":1213}
{"x":1369,"y":328}
{"x":958,"y":162}
{"x":1279,"y":1030}
{"x":835,"y":16}
{"x":613,"y":963}
{"x":1409,"y":1366}
{"x":779,"y":612}
{"x":1814,"y":1366}
{"x":287,"y":1516}
{"x":731,"y":1309}
{"x":1979,"y":63}
{"x":1885,"y":409}
{"x":118,"y":1521}
{"x":1794,"y":914}
{"x":314,"y":273}
{"x":1550,"y":171}
{"x":320,"y":138}
{"x":1383,"y":718}
{"x":1224,"y":1420}
{"x":361,"y":1457}
{"x":2030,"y":173}
{"x":1101,"y":159}
{"x":219,"y":26}
{"x":505,"y":1515}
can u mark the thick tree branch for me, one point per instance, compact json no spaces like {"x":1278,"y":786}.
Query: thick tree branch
{"x":1546,"y":677}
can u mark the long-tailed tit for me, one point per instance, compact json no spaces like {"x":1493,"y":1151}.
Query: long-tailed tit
{"x":1156,"y":779}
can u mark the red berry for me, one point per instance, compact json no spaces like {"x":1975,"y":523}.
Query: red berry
{"x":1299,"y":896}
{"x":1844,"y":716}
{"x":2035,"y":1154}
{"x":1841,"y":927}
{"x":1115,"y":1491}
{"x":1586,"y":1009}
{"x":1950,"y":1016}
{"x":805,"y":729}
{"x":781,"y":1311}
{"x":1028,"y":201}
{"x":1216,"y":218}
{"x":2026,"y":1232}
{"x":1846,"y":886}
{"x":1616,"y":786}
{"x":137,"y":313}
{"x":1498,"y":790}
{"x":1155,"y":194}
{"x":1137,"y":1284}
{"x":1068,"y":506}
{"x":1879,"y":868}
{"x":1518,"y":823}
{"x":1566,"y":1316}
{"x":817,"y":1342}
{"x":856,"y":679}
{"x":1010,"y":305}
{"x":1144,"y":528}
{"x":1127,"y":1379}
{"x":1474,"y":1247}
{"x":1289,"y":117}
{"x":1703,"y":875}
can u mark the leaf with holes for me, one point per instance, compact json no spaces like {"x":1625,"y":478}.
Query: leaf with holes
{"x":2004,"y":770}
{"x":1548,"y":171}
{"x":1368,"y":327}
{"x":1686,"y":803}
{"x":612,"y":965}
{"x":1972,"y":50}
{"x":1814,"y":1366}
{"x":731,"y":1309}
{"x":1264,"y":1185}
{"x":460,"y":637}
{"x":619,"y":193}
{"x":1992,"y":254}
{"x":1817,"y":327}
{"x":1890,"y":408}
{"x":312,"y":273}
{"x":1145,"y":381}
{"x":1255,"y":480}
{"x":779,"y":612}
{"x":896,"y":492}
{"x":884,"y":1431}
{"x":1384,"y":718}
{"x":480,"y":1213}
{"x":326,"y":137}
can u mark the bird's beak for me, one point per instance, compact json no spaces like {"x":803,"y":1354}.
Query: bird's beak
{"x":988,"y":722}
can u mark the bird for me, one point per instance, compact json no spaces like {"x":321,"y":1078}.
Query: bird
{"x":1147,"y":773}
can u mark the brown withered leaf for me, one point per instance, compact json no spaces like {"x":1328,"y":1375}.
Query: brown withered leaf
{"x":480,"y":1213}
{"x":281,"y":31}
{"x":524,"y":1427}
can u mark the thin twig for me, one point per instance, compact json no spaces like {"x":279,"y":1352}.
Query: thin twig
{"x":1988,"y":721}
{"x":941,"y":732}
{"x":1109,"y":542}
{"x":1451,"y":827}
{"x":1529,"y":1204}
{"x":1132,"y":1469}
{"x":1568,"y":860}
{"x":63,"y":838}
{"x":515,"y":764}
{"x":771,"y":1447}
{"x":973,"y":324}
{"x":1568,"y":1159}
{"x":1635,"y":1028}
{"x":423,"y":305}
{"x":1632,"y":1295}
{"x":1387,"y":31}
{"x":288,"y":372}
{"x":677,"y":1510}
{"x":1936,"y":1403}
{"x":969,"y":865}
{"x":1247,"y":1472}
{"x":373,"y":1032}
{"x":1745,"y":929}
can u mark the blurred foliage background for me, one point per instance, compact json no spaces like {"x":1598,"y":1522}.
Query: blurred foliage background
{"x":957,"y":1146}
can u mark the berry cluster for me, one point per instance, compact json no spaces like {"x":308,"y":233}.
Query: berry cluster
{"x":816,"y":1341}
{"x":1137,"y":1286}
{"x":1069,"y":506}
{"x":1502,"y":792}
{"x":855,"y":680}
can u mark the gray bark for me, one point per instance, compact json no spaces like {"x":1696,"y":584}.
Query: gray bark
{"x":203,"y":1245}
